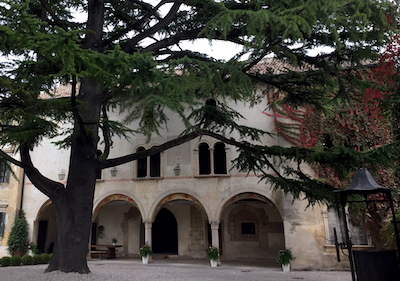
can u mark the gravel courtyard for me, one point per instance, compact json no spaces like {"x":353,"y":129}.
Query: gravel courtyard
{"x":124,"y":270}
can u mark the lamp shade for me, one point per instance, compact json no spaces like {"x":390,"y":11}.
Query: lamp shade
{"x":363,"y":183}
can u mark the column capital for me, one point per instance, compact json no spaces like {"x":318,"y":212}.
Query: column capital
{"x":148,"y":223}
{"x":214,"y":224}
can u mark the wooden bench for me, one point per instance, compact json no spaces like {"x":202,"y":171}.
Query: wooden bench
{"x":100,"y":254}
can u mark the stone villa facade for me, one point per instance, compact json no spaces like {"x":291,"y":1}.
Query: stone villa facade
{"x":187,"y":198}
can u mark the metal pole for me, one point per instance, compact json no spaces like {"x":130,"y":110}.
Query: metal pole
{"x":396,"y":231}
{"x":348,"y":242}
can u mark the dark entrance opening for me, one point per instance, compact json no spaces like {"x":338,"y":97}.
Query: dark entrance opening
{"x":41,"y":242}
{"x":165,"y":233}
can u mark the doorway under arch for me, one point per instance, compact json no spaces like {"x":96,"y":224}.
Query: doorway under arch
{"x":253,"y":228}
{"x":117,"y":216}
{"x":46,"y":228}
{"x":165,"y":233}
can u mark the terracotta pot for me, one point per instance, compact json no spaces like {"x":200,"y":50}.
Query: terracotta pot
{"x":18,"y":253}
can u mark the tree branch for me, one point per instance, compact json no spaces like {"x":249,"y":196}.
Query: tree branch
{"x":154,"y":150}
{"x":128,"y":46}
{"x":272,"y":150}
{"x":190,"y":35}
{"x":53,"y":15}
{"x":42,"y":183}
{"x":134,"y":25}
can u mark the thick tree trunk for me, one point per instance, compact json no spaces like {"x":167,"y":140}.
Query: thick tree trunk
{"x":74,"y":204}
{"x":73,"y":230}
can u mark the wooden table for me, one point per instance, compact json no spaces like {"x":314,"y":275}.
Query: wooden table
{"x":104,"y":250}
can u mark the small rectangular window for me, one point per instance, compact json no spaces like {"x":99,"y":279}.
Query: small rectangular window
{"x":248,"y":228}
{"x":4,"y":172}
{"x":2,"y":223}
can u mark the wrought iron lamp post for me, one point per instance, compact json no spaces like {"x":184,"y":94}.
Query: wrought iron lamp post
{"x":364,"y":184}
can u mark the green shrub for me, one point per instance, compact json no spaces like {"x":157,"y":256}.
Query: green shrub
{"x":26,"y":260}
{"x":45,"y":258}
{"x":18,"y":239}
{"x":51,"y":256}
{"x":6,"y":261}
{"x":15,"y":260}
{"x":36,"y":259}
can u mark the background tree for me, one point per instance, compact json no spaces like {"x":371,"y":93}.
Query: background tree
{"x":18,"y":238}
{"x":128,"y":55}
{"x":368,"y":119}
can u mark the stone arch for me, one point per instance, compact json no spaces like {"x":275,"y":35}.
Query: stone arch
{"x":113,"y":197}
{"x":173,"y":197}
{"x":251,"y":193}
{"x":191,"y":217}
{"x":42,"y":208}
{"x":117,"y":215}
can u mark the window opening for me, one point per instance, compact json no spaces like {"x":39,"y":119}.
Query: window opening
{"x":141,"y":165}
{"x":248,"y":228}
{"x":356,"y":225}
{"x":149,"y":166}
{"x":155,"y":161}
{"x":4,"y":172}
{"x":219,"y":158}
{"x":2,"y":223}
{"x":204,"y":159}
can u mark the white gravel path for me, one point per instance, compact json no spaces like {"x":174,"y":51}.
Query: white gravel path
{"x":167,"y":270}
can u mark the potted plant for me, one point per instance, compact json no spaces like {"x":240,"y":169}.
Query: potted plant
{"x":213,"y":255}
{"x":114,"y":241}
{"x":32,"y":249}
{"x":145,"y":252}
{"x":284,"y":258}
{"x":18,"y":240}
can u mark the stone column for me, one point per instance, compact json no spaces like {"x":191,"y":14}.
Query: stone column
{"x":148,"y":224}
{"x":212,"y":160}
{"x":214,"y":233}
{"x":148,"y":167}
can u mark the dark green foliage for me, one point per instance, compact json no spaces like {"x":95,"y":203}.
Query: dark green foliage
{"x":285,"y":256}
{"x":26,"y":260}
{"x":142,"y":70}
{"x":213,"y":254}
{"x":18,"y":239}
{"x":45,"y":258}
{"x":145,"y":80}
{"x":15,"y":260}
{"x":51,"y":256}
{"x":36,"y":259}
{"x":6,"y":261}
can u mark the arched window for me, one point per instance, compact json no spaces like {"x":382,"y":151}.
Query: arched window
{"x":212,"y":161}
{"x":155,"y":165}
{"x":153,"y":170}
{"x":204,"y":159}
{"x":141,"y":165}
{"x":219,"y":159}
